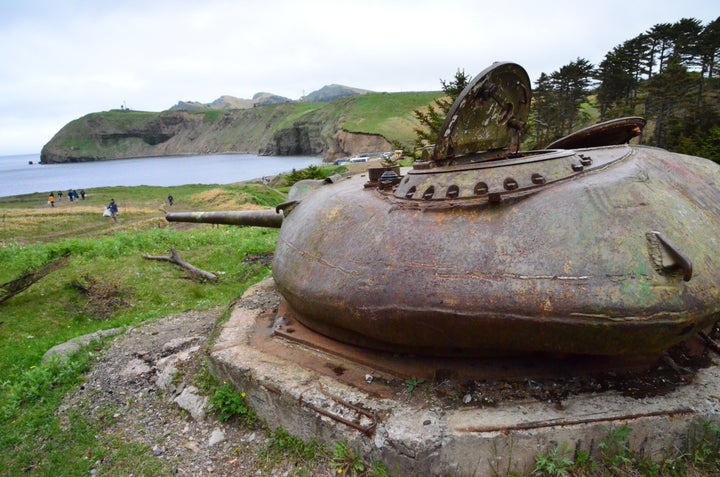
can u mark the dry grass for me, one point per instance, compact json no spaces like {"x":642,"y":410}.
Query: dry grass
{"x":25,"y":225}
{"x":222,"y":199}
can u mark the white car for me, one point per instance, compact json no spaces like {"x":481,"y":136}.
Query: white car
{"x":359,"y":158}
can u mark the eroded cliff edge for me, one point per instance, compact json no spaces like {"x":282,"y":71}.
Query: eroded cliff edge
{"x":278,"y":130}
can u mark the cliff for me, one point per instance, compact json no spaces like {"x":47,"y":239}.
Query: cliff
{"x":367,"y":123}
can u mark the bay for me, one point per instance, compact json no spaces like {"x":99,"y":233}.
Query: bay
{"x":18,"y":176}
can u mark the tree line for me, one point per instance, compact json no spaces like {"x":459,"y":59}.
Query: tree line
{"x":670,"y":75}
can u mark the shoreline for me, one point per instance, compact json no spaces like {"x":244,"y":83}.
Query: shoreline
{"x":17,"y":177}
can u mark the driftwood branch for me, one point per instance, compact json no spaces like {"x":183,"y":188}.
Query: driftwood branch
{"x":14,"y":287}
{"x":175,"y":258}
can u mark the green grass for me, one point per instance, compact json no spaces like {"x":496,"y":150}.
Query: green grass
{"x":153,"y":288}
{"x":34,"y":439}
{"x":296,"y":112}
{"x":387,"y":114}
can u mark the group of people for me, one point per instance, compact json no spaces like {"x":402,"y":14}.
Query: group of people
{"x":72,"y":195}
{"x":110,"y":211}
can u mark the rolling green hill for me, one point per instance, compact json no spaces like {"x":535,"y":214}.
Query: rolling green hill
{"x":370,"y":122}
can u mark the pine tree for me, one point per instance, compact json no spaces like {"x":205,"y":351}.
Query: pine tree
{"x":432,"y":118}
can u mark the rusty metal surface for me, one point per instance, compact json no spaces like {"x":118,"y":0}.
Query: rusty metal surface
{"x":608,"y":133}
{"x":567,"y":267}
{"x":489,"y":114}
{"x":351,"y":415}
{"x":484,"y":182}
{"x":351,"y":364}
{"x":257,"y":218}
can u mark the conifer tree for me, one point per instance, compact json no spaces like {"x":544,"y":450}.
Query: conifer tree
{"x":431,"y":119}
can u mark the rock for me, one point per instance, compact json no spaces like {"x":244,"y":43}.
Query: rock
{"x":135,"y":367}
{"x":191,"y":401}
{"x":67,"y":349}
{"x":216,"y":437}
{"x":167,"y":366}
{"x":177,"y":344}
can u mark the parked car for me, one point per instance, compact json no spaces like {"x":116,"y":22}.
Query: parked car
{"x":359,"y":158}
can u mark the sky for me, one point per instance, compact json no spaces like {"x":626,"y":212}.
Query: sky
{"x":60,"y":60}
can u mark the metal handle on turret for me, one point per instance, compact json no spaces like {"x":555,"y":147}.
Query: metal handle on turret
{"x":679,"y":259}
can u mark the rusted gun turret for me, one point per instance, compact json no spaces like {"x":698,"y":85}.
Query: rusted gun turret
{"x":592,"y":246}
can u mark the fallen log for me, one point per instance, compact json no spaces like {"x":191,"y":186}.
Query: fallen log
{"x":13,"y":287}
{"x":175,"y":258}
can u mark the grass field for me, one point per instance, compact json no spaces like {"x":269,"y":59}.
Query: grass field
{"x":377,"y":113}
{"x":107,"y":256}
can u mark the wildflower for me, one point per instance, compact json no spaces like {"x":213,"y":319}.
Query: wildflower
{"x":242,"y":395}
{"x":33,"y":366}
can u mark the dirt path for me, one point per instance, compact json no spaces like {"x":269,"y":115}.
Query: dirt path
{"x":134,"y":378}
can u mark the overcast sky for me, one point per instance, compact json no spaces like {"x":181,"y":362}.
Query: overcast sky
{"x":62,"y":59}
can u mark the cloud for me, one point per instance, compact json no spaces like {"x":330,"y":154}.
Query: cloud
{"x":62,"y":60}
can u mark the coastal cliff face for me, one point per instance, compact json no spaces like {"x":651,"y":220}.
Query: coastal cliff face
{"x":279,"y":130}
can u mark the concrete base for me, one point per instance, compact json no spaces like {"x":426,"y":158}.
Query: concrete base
{"x":315,"y":393}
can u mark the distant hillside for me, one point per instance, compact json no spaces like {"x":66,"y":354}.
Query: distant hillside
{"x":326,"y":94}
{"x":231,"y":102}
{"x":370,"y":122}
{"x":333,"y":92}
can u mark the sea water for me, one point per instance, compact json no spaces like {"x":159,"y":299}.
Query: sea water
{"x":23,"y":174}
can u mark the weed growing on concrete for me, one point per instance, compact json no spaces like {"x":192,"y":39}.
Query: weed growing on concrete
{"x":701,"y":457}
{"x":413,"y":383}
{"x":346,"y":461}
{"x":555,"y":463}
{"x":704,"y":446}
{"x":283,"y":443}
{"x":615,"y":450}
{"x":378,"y":469}
{"x":205,"y":381}
{"x":228,"y":403}
{"x":584,"y":463}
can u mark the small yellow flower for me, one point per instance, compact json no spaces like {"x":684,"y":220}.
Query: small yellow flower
{"x":339,"y":471}
{"x":32,"y":367}
{"x":242,"y":394}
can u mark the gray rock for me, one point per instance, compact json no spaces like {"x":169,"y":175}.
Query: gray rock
{"x":191,"y":401}
{"x":216,"y":437}
{"x":67,"y":349}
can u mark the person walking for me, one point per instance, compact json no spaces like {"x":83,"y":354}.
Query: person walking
{"x":113,"y":208}
{"x":171,"y":199}
{"x":51,"y":200}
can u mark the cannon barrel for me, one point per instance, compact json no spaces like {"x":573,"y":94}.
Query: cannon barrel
{"x":255,"y":218}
